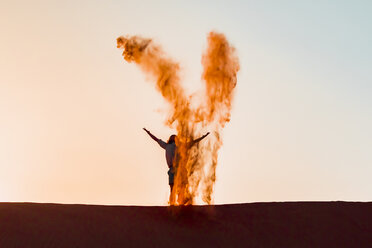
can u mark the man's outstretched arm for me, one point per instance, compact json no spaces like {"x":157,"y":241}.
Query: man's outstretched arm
{"x":159,"y":141}
{"x":198,"y":139}
{"x":151,"y":135}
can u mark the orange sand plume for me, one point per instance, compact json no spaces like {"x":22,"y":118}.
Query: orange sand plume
{"x":196,"y":164}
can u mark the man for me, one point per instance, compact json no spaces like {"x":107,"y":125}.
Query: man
{"x":170,"y":152}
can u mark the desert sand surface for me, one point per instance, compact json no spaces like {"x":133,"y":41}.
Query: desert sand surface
{"x":279,"y":224}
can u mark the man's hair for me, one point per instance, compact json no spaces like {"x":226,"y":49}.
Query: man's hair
{"x":172,"y":139}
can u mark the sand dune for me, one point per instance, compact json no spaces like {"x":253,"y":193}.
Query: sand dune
{"x":288,"y":224}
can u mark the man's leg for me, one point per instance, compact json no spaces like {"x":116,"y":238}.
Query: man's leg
{"x":171,"y":183}
{"x":171,"y":195}
{"x":171,"y":188}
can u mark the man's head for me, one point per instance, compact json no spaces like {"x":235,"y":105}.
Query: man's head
{"x":172,"y":139}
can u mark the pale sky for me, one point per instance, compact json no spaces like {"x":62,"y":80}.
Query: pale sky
{"x":72,"y":110}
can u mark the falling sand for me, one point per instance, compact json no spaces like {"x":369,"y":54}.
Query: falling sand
{"x":196,"y":164}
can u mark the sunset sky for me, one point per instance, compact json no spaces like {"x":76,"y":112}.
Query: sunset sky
{"x":72,"y":110}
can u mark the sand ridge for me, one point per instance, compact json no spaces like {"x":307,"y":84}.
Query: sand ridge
{"x":279,"y":224}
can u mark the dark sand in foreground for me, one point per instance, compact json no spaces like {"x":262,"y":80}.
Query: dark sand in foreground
{"x":287,"y":224}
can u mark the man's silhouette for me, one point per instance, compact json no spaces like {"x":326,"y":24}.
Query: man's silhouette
{"x":170,"y":152}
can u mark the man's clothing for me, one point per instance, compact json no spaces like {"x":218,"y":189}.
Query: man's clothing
{"x":171,"y":175}
{"x":170,"y":151}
